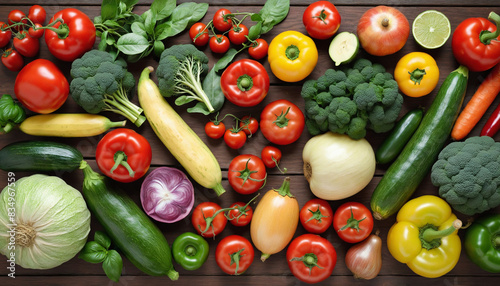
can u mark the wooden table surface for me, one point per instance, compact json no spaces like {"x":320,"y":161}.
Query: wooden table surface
{"x":275,"y":270}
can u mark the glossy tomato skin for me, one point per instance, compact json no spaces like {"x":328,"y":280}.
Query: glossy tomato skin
{"x":242,"y":220}
{"x":316,"y":216}
{"x":41,"y":87}
{"x":238,"y":34}
{"x":215,"y":131}
{"x":15,"y":16}
{"x":359,"y":212}
{"x":231,"y":248}
{"x":314,"y":246}
{"x":321,"y":19}
{"x":219,"y":44}
{"x":269,"y":153}
{"x":249,"y":124}
{"x":26,"y":45}
{"x":36,"y":34}
{"x":258,"y":49}
{"x":205,"y":210}
{"x":4,"y":35}
{"x":80,"y":38}
{"x":282,"y":122}
{"x":219,"y":22}
{"x":37,"y":14}
{"x":12,"y":60}
{"x":235,"y":139}
{"x":246,"y":174}
{"x":199,"y":29}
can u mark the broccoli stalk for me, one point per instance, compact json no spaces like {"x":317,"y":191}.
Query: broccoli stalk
{"x":11,"y":113}
{"x":118,"y":102}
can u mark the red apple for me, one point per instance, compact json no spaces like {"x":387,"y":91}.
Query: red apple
{"x":383,"y":30}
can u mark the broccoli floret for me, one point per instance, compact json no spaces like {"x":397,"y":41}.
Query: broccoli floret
{"x":382,"y":118}
{"x":360,"y":64}
{"x":101,"y":83}
{"x":11,"y":113}
{"x":357,"y":128}
{"x":330,"y":77}
{"x":338,"y":90}
{"x":366,"y":95}
{"x":180,"y":72}
{"x":341,"y":109}
{"x":354,"y":78}
{"x":468,"y":174}
{"x":324,"y":99}
{"x":309,"y":90}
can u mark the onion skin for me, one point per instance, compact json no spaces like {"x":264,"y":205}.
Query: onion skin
{"x":365,"y":258}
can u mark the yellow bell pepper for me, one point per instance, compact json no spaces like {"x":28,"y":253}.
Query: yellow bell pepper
{"x":425,"y":236}
{"x":292,"y":56}
{"x":417,"y":74}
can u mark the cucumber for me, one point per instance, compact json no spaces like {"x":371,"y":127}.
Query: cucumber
{"x":137,"y":237}
{"x":343,"y":48}
{"x":39,"y":156}
{"x":399,"y":136}
{"x":415,"y":161}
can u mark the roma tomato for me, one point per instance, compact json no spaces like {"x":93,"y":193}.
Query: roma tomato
{"x":219,"y":44}
{"x":240,"y":215}
{"x":235,"y":138}
{"x":234,"y":254}
{"x":316,"y":216}
{"x":12,"y":60}
{"x":26,"y":45}
{"x":16,"y":16}
{"x":208,"y":219}
{"x":271,"y":156}
{"x":4,"y":35}
{"x":238,"y":34}
{"x":321,"y":19}
{"x":36,"y":32}
{"x":221,"y":21}
{"x":245,"y":82}
{"x":246,"y":174}
{"x":258,"y":49}
{"x":199,"y":34}
{"x":249,"y":124}
{"x":74,"y":38}
{"x":215,"y":130}
{"x":353,"y":222}
{"x":282,"y":122}
{"x":311,"y":258}
{"x":37,"y":14}
{"x":41,"y":87}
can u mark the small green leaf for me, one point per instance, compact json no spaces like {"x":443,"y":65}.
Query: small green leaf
{"x":256,"y":17}
{"x":211,"y":86}
{"x":122,"y":7}
{"x":110,"y":40}
{"x":159,"y":47}
{"x":183,"y":15}
{"x":109,"y":9}
{"x":102,"y":45}
{"x":93,"y":252}
{"x":223,"y":62}
{"x":112,"y":24}
{"x":139,"y":29}
{"x":103,"y":239}
{"x":129,"y":3}
{"x":97,"y":20}
{"x":132,"y":44}
{"x":163,"y":8}
{"x":273,"y":12}
{"x":183,"y":99}
{"x":254,"y":31}
{"x":113,"y":265}
{"x":149,"y":21}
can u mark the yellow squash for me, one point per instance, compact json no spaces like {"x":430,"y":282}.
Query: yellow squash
{"x":184,"y":144}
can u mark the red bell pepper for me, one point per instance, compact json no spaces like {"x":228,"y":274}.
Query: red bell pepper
{"x":123,"y":155}
{"x":493,"y":124}
{"x":476,"y":43}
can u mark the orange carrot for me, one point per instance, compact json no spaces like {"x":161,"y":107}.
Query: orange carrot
{"x":477,"y":105}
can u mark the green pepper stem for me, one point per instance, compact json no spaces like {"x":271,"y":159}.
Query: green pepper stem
{"x":7,"y":128}
{"x":496,"y":241}
{"x":417,"y":75}
{"x":431,"y":234}
{"x":172,"y":274}
{"x":486,"y":36}
{"x":190,"y":250}
{"x":121,"y":159}
{"x":292,"y":52}
{"x":284,"y":190}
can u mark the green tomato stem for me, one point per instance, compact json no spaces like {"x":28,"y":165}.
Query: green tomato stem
{"x":284,"y":190}
{"x":121,"y":159}
{"x":310,"y":261}
{"x":352,"y":223}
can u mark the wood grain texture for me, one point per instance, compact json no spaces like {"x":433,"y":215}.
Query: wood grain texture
{"x":275,"y":270}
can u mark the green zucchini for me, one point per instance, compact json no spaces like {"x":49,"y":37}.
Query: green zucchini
{"x":39,"y":156}
{"x":415,"y":161}
{"x":399,"y":136}
{"x":136,"y":236}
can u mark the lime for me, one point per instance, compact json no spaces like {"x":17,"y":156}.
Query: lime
{"x":343,"y":48}
{"x":431,"y":29}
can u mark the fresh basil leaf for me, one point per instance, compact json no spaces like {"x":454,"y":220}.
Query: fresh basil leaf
{"x":93,"y":252}
{"x":254,"y":31}
{"x":122,"y":8}
{"x":139,"y":29}
{"x":273,"y":12}
{"x":198,"y":12}
{"x":159,"y":47}
{"x":160,"y":31}
{"x":211,"y":86}
{"x":223,"y":62}
{"x":256,"y":17}
{"x":130,"y":3}
{"x":183,"y":15}
{"x":97,"y":20}
{"x":112,"y":24}
{"x":163,"y":8}
{"x":102,"y":45}
{"x":183,"y":99}
{"x":132,"y":44}
{"x":110,"y":40}
{"x":109,"y":9}
{"x":103,"y":239}
{"x":113,"y":265}
{"x":149,"y":21}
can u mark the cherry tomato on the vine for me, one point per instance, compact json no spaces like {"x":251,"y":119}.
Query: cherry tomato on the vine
{"x":316,"y":216}
{"x":236,"y":217}
{"x":258,"y":49}
{"x":12,"y":60}
{"x":353,"y":222}
{"x":238,"y":34}
{"x":235,"y":138}
{"x":220,"y":22}
{"x":270,"y":155}
{"x":199,"y":34}
{"x":234,"y":254}
{"x":38,"y":33}
{"x":215,"y":130}
{"x":16,"y":16}
{"x":249,"y":124}
{"x":206,"y":210}
{"x":219,"y":44}
{"x":4,"y":35}
{"x":26,"y":45}
{"x":246,"y":174}
{"x":37,"y":14}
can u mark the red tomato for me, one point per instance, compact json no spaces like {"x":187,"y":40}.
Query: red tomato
{"x":249,"y":125}
{"x":353,"y":222}
{"x":199,"y":34}
{"x":37,"y":14}
{"x":311,"y":258}
{"x":41,"y":87}
{"x":258,"y":49}
{"x":205,"y":212}
{"x":282,"y":122}
{"x":238,"y":34}
{"x":271,"y":156}
{"x":26,"y":45}
{"x":15,"y":16}
{"x":215,"y":130}
{"x":240,"y":215}
{"x":321,"y":20}
{"x":219,"y":44}
{"x":79,"y":40}
{"x":235,"y":138}
{"x":12,"y":60}
{"x":4,"y":35}
{"x":316,"y":216}
{"x":246,"y":174}
{"x":222,"y":22}
{"x":234,"y":254}
{"x":38,"y":33}
{"x":383,"y":30}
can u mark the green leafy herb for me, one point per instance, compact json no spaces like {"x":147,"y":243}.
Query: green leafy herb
{"x":98,"y":251}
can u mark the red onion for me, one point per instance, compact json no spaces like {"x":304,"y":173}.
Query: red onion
{"x":167,"y":195}
{"x":365,"y":258}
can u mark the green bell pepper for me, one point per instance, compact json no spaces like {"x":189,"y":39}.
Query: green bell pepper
{"x":190,"y":250}
{"x":482,"y":243}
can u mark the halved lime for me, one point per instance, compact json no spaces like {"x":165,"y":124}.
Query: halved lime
{"x":344,"y":48}
{"x":431,"y":29}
